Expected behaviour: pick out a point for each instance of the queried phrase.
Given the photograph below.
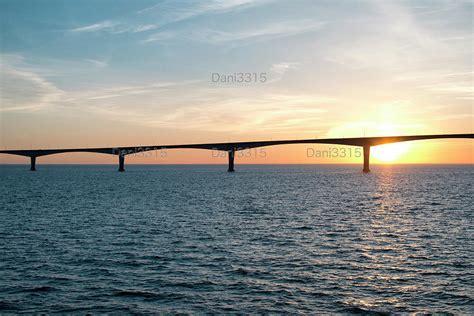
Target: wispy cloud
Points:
(273, 30)
(283, 67)
(100, 26)
(179, 10)
(279, 70)
(207, 110)
(144, 28)
(124, 91)
(256, 33)
(463, 90)
(166, 13)
(98, 63)
(156, 17)
(23, 90)
(397, 40)
(200, 105)
(161, 36)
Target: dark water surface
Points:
(290, 239)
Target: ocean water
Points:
(265, 239)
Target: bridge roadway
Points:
(232, 147)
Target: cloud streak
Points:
(100, 26)
(280, 69)
(208, 110)
(167, 12)
(256, 33)
(98, 63)
(23, 90)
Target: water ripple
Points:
(267, 239)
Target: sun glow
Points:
(389, 152)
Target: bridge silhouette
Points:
(231, 147)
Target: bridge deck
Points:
(232, 147)
(119, 150)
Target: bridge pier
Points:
(231, 154)
(33, 163)
(121, 163)
(366, 158)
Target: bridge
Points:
(231, 147)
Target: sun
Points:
(389, 152)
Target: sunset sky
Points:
(111, 73)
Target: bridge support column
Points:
(121, 163)
(231, 154)
(366, 158)
(33, 163)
